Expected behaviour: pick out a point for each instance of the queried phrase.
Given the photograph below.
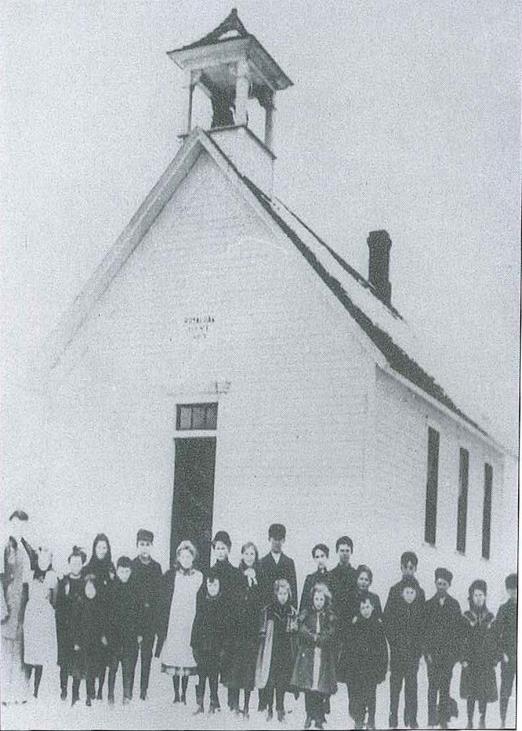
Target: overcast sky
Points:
(404, 116)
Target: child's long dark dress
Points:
(240, 669)
(208, 637)
(480, 650)
(104, 574)
(68, 600)
(276, 655)
(88, 622)
(365, 664)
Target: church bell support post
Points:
(242, 91)
(269, 122)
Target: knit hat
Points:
(124, 562)
(277, 531)
(223, 537)
(441, 573)
(145, 535)
(409, 581)
(479, 584)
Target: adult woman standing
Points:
(240, 666)
(176, 613)
(101, 568)
(40, 646)
(17, 563)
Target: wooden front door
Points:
(193, 498)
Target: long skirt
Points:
(15, 686)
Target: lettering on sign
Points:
(198, 326)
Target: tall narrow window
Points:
(486, 513)
(462, 509)
(430, 525)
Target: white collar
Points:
(276, 556)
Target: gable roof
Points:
(381, 324)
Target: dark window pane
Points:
(486, 513)
(184, 416)
(212, 416)
(198, 417)
(430, 524)
(462, 509)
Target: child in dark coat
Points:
(479, 654)
(366, 662)
(124, 637)
(89, 629)
(68, 609)
(275, 660)
(403, 625)
(314, 669)
(101, 568)
(441, 646)
(239, 670)
(506, 630)
(208, 638)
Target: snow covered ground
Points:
(158, 712)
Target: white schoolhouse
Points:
(225, 368)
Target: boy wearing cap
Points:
(124, 635)
(320, 554)
(276, 565)
(506, 630)
(409, 563)
(442, 646)
(146, 581)
(404, 625)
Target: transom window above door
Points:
(196, 416)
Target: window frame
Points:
(487, 502)
(207, 406)
(432, 486)
(462, 500)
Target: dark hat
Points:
(277, 531)
(479, 584)
(441, 573)
(321, 547)
(223, 537)
(511, 581)
(409, 581)
(124, 562)
(145, 535)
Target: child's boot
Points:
(269, 714)
(308, 722)
(281, 716)
(199, 709)
(482, 721)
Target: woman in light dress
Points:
(177, 610)
(40, 647)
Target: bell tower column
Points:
(242, 90)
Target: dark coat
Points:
(123, 618)
(146, 580)
(343, 584)
(395, 594)
(69, 596)
(271, 571)
(89, 625)
(240, 668)
(404, 627)
(318, 577)
(354, 603)
(506, 629)
(443, 627)
(316, 647)
(365, 655)
(277, 650)
(480, 651)
(209, 630)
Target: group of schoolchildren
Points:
(241, 627)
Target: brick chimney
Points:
(379, 243)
